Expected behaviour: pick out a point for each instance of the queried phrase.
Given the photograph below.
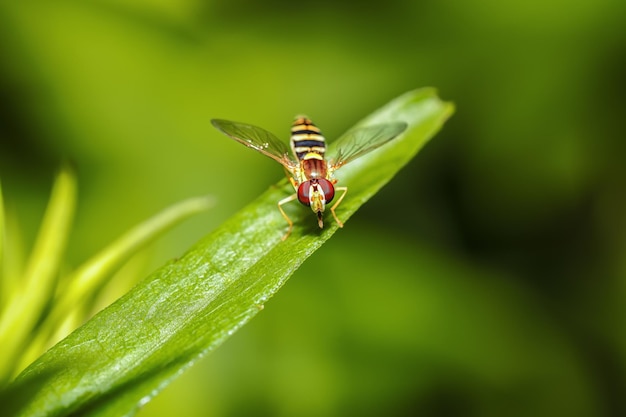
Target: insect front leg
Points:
(280, 207)
(332, 209)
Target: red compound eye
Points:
(328, 189)
(303, 193)
(315, 185)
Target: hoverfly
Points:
(306, 166)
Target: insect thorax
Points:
(313, 167)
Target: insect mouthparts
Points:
(320, 219)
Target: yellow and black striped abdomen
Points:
(307, 140)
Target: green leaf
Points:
(24, 307)
(131, 350)
(69, 308)
(4, 289)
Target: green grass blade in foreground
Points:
(128, 352)
(22, 312)
(69, 308)
(4, 287)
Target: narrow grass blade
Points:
(131, 350)
(24, 308)
(4, 287)
(70, 306)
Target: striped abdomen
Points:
(306, 139)
(308, 146)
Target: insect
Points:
(306, 166)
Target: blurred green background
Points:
(488, 279)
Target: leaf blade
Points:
(132, 349)
(68, 309)
(21, 313)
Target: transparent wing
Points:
(362, 140)
(258, 139)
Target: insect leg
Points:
(332, 209)
(280, 204)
